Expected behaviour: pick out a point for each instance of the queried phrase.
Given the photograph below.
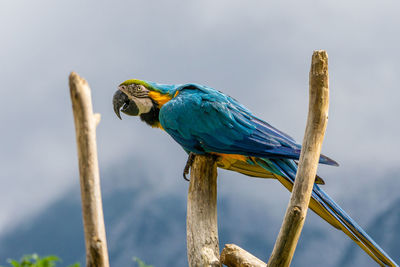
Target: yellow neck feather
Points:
(159, 98)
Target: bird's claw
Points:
(188, 165)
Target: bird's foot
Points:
(188, 165)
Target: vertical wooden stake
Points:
(92, 210)
(202, 227)
(296, 212)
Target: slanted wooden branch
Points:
(234, 256)
(296, 212)
(85, 127)
(201, 224)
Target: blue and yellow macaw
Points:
(204, 120)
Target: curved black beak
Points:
(121, 102)
(119, 99)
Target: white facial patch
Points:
(144, 104)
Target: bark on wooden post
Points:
(201, 224)
(234, 256)
(316, 124)
(92, 210)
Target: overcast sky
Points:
(256, 51)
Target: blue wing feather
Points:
(325, 207)
(202, 119)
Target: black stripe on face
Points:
(136, 90)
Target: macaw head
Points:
(141, 98)
(132, 98)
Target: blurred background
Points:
(258, 52)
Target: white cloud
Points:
(256, 51)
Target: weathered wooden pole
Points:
(296, 212)
(234, 256)
(92, 210)
(201, 222)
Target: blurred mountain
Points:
(385, 229)
(146, 219)
(141, 221)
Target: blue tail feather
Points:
(325, 207)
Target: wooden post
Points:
(234, 256)
(296, 212)
(202, 228)
(85, 127)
